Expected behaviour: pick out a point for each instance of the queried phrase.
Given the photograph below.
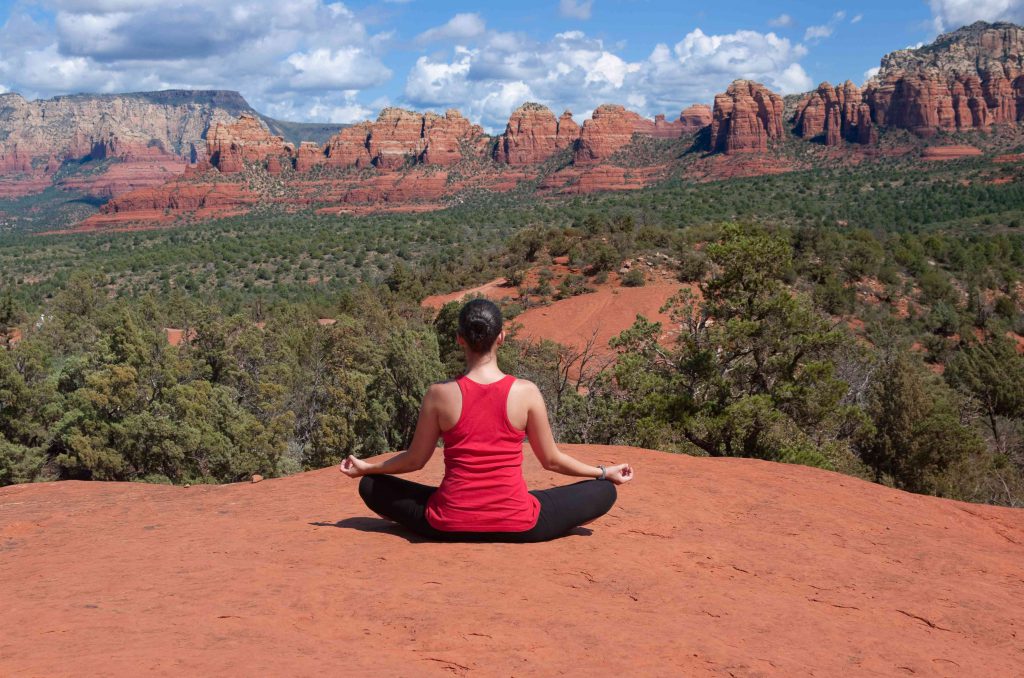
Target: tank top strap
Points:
(493, 397)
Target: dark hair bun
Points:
(480, 324)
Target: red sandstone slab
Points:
(705, 567)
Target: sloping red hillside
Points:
(718, 567)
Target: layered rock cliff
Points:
(835, 114)
(971, 78)
(745, 118)
(233, 144)
(533, 135)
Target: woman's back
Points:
(483, 488)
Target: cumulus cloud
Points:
(276, 53)
(781, 21)
(951, 14)
(459, 27)
(580, 72)
(576, 9)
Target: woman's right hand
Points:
(619, 474)
(353, 467)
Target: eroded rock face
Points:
(745, 118)
(445, 138)
(399, 138)
(233, 144)
(610, 128)
(971, 78)
(533, 135)
(695, 118)
(834, 115)
(396, 138)
(350, 147)
(122, 126)
(152, 131)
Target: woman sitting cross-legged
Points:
(483, 417)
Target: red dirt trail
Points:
(705, 567)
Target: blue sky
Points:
(342, 61)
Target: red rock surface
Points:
(584, 179)
(704, 567)
(123, 177)
(533, 135)
(968, 79)
(949, 152)
(396, 138)
(610, 128)
(695, 118)
(745, 118)
(835, 115)
(350, 147)
(245, 140)
(444, 138)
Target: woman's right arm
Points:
(542, 440)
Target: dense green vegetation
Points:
(860, 319)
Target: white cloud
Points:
(576, 71)
(822, 31)
(857, 19)
(576, 9)
(347, 68)
(872, 72)
(781, 21)
(459, 27)
(951, 14)
(275, 53)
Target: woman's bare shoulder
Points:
(525, 388)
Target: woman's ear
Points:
(501, 339)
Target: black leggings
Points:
(561, 508)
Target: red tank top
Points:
(483, 488)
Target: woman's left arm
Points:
(424, 441)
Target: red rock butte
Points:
(716, 567)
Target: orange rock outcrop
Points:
(695, 118)
(233, 144)
(971, 78)
(745, 118)
(533, 135)
(835, 115)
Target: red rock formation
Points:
(309, 155)
(695, 118)
(568, 131)
(531, 136)
(610, 128)
(745, 118)
(233, 144)
(350, 147)
(834, 114)
(396, 138)
(971, 78)
(445, 137)
(950, 152)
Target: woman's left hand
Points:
(354, 468)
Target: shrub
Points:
(634, 278)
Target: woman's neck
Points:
(483, 366)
